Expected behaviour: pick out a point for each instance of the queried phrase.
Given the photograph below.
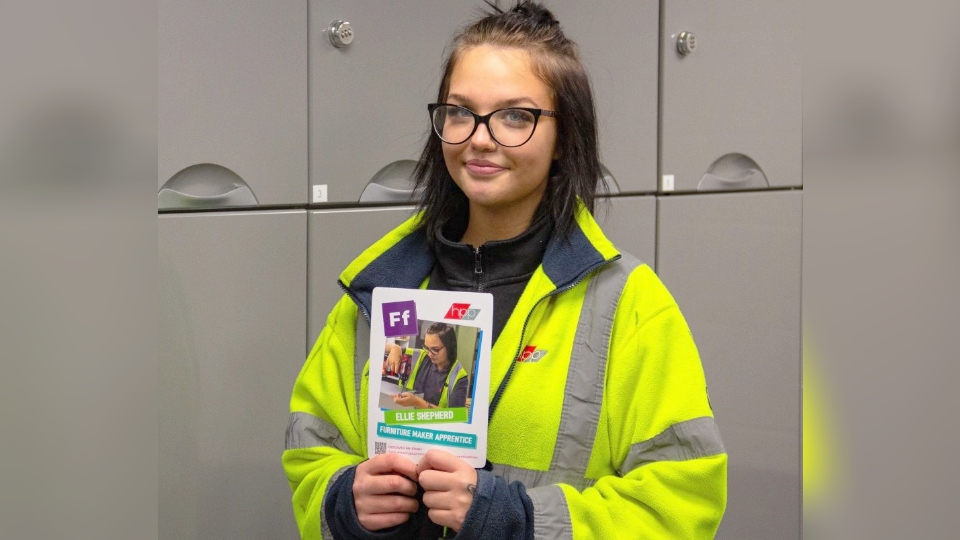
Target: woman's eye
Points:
(516, 116)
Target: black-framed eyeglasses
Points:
(435, 350)
(510, 127)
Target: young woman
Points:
(609, 434)
(437, 376)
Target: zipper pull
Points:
(478, 269)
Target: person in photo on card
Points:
(433, 373)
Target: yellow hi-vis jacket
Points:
(598, 398)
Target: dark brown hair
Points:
(448, 336)
(576, 173)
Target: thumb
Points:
(438, 460)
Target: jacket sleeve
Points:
(325, 437)
(499, 510)
(658, 460)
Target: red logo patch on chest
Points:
(530, 353)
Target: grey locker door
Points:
(337, 237)
(732, 261)
(631, 224)
(232, 111)
(232, 323)
(368, 100)
(618, 44)
(731, 108)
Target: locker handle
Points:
(613, 188)
(733, 172)
(392, 183)
(205, 185)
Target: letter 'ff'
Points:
(395, 317)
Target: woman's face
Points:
(436, 351)
(494, 177)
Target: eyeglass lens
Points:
(508, 127)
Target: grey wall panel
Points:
(618, 44)
(336, 237)
(732, 261)
(631, 224)
(738, 92)
(232, 88)
(369, 99)
(232, 324)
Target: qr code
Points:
(379, 448)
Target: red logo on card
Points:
(462, 312)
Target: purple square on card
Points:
(400, 318)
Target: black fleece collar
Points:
(500, 262)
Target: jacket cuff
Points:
(499, 510)
(340, 514)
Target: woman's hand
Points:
(449, 484)
(408, 399)
(392, 360)
(383, 491)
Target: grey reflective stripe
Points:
(690, 439)
(325, 531)
(588, 361)
(361, 353)
(551, 517)
(305, 430)
(454, 372)
(583, 395)
(533, 479)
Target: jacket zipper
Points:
(356, 301)
(513, 363)
(478, 269)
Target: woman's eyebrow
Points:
(512, 102)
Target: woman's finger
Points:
(386, 504)
(387, 484)
(441, 460)
(376, 522)
(388, 464)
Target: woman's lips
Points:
(482, 167)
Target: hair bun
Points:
(535, 12)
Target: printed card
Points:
(429, 373)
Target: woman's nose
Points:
(482, 139)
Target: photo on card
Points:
(431, 369)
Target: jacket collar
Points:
(501, 261)
(403, 259)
